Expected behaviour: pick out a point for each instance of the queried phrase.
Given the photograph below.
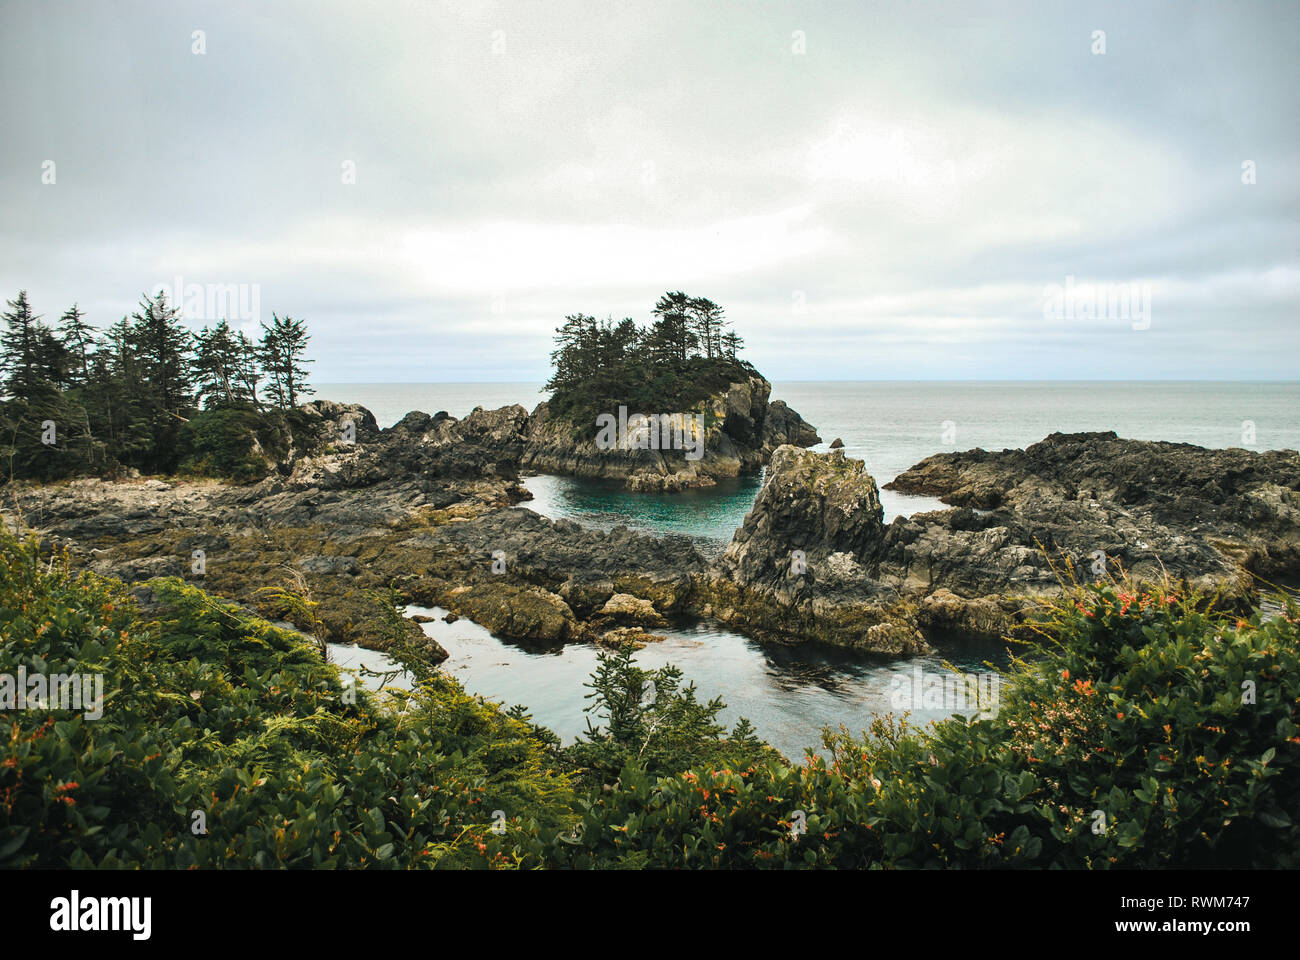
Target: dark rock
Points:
(1206, 519)
(801, 565)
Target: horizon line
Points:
(406, 383)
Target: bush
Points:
(1131, 737)
(1144, 730)
(240, 443)
(214, 718)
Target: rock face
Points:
(741, 429)
(1206, 518)
(801, 565)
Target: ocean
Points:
(789, 693)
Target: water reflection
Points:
(788, 693)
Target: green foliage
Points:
(670, 367)
(240, 443)
(211, 710)
(281, 353)
(652, 724)
(1173, 721)
(1124, 742)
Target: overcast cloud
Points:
(873, 191)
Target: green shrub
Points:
(653, 725)
(240, 443)
(1144, 730)
(1126, 739)
(210, 710)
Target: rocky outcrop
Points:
(428, 506)
(425, 506)
(511, 610)
(801, 565)
(741, 428)
(783, 426)
(1201, 512)
(814, 560)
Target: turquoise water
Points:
(790, 693)
(709, 516)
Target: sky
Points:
(871, 190)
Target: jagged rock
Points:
(837, 444)
(814, 560)
(1203, 513)
(799, 566)
(783, 426)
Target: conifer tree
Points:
(706, 318)
(19, 349)
(162, 348)
(78, 339)
(731, 343)
(284, 344)
(674, 327)
(216, 355)
(248, 372)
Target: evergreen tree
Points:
(574, 357)
(162, 348)
(706, 318)
(116, 395)
(54, 363)
(600, 366)
(72, 399)
(20, 359)
(283, 347)
(216, 358)
(78, 339)
(36, 422)
(247, 368)
(674, 327)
